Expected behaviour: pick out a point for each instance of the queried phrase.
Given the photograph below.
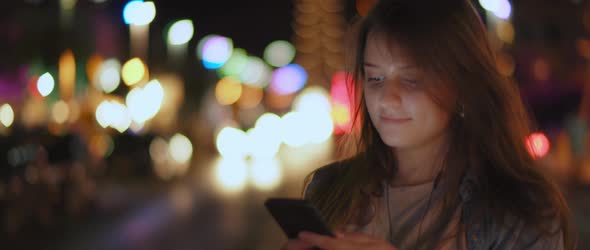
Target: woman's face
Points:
(401, 109)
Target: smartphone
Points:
(296, 215)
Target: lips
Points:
(396, 120)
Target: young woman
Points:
(441, 159)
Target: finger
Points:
(355, 236)
(321, 241)
(295, 244)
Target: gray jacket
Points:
(486, 233)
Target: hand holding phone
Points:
(296, 215)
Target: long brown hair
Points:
(449, 39)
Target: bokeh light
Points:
(255, 73)
(288, 79)
(501, 8)
(133, 71)
(537, 144)
(112, 113)
(92, 68)
(181, 149)
(235, 64)
(215, 51)
(296, 129)
(137, 12)
(228, 90)
(232, 142)
(251, 97)
(45, 84)
(231, 174)
(181, 32)
(159, 151)
(341, 103)
(279, 53)
(6, 115)
(505, 31)
(265, 173)
(67, 74)
(314, 104)
(60, 112)
(265, 138)
(109, 75)
(144, 103)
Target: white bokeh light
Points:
(181, 32)
(265, 174)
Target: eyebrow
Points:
(372, 65)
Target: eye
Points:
(375, 78)
(409, 82)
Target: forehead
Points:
(385, 48)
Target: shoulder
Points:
(514, 233)
(327, 175)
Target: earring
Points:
(461, 111)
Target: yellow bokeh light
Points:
(181, 149)
(92, 67)
(133, 71)
(505, 31)
(228, 90)
(340, 114)
(67, 74)
(6, 115)
(231, 174)
(60, 112)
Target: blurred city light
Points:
(232, 143)
(251, 97)
(6, 115)
(45, 84)
(133, 71)
(67, 4)
(341, 103)
(60, 112)
(313, 99)
(144, 103)
(296, 129)
(180, 32)
(67, 74)
(159, 151)
(235, 64)
(265, 173)
(137, 12)
(537, 144)
(256, 73)
(111, 113)
(231, 174)
(279, 53)
(500, 8)
(109, 75)
(92, 68)
(181, 149)
(228, 90)
(265, 137)
(214, 51)
(288, 79)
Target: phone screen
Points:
(296, 215)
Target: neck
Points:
(419, 165)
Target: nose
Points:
(391, 94)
